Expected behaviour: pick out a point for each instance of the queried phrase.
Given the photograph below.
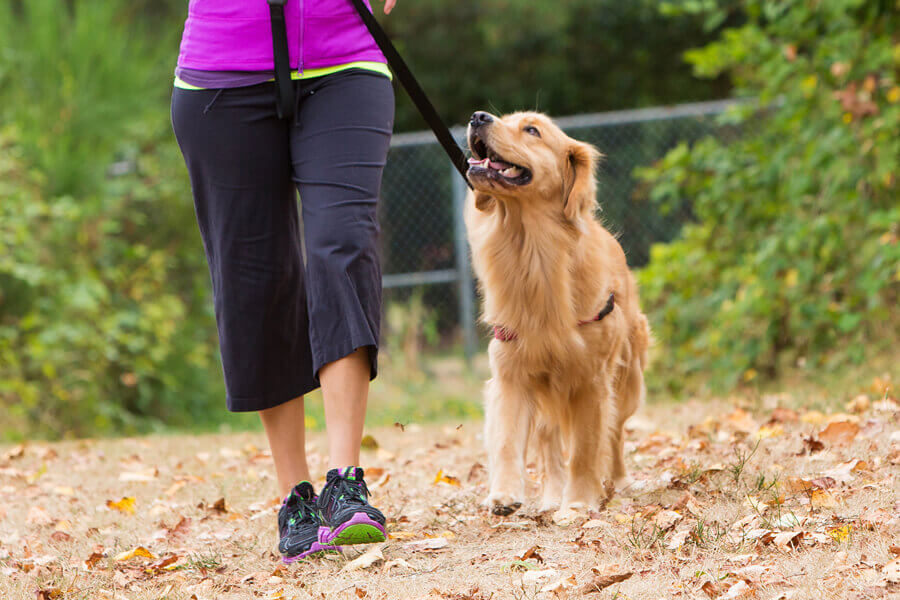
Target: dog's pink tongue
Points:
(498, 165)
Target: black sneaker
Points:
(299, 525)
(346, 511)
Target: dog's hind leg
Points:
(507, 421)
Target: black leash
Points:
(398, 66)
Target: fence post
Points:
(463, 268)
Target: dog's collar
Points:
(505, 335)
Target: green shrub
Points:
(105, 324)
(794, 255)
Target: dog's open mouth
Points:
(485, 163)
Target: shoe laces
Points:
(351, 490)
(300, 511)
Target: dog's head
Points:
(525, 157)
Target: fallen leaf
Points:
(449, 479)
(396, 563)
(532, 553)
(139, 476)
(565, 517)
(60, 536)
(92, 560)
(593, 524)
(125, 505)
(839, 432)
(370, 558)
(666, 519)
(602, 581)
(811, 445)
(49, 594)
(822, 499)
(840, 534)
(677, 540)
(427, 545)
(892, 571)
(738, 590)
(136, 552)
(859, 404)
(788, 539)
(714, 589)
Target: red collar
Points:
(505, 335)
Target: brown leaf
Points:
(604, 581)
(369, 442)
(184, 524)
(60, 536)
(218, 507)
(532, 553)
(839, 432)
(783, 415)
(714, 589)
(360, 593)
(92, 560)
(162, 564)
(49, 594)
(788, 539)
(811, 445)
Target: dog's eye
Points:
(532, 130)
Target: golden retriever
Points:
(570, 341)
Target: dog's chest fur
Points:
(528, 276)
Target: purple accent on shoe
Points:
(359, 518)
(316, 547)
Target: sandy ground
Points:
(725, 501)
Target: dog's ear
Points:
(483, 201)
(580, 187)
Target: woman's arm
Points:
(389, 6)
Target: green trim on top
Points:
(310, 73)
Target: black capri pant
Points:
(280, 318)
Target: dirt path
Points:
(724, 503)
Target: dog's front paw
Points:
(502, 504)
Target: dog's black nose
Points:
(480, 118)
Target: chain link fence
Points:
(424, 252)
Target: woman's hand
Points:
(389, 6)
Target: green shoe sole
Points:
(357, 533)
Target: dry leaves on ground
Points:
(722, 503)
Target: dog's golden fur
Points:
(544, 263)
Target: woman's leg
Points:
(237, 152)
(338, 148)
(284, 425)
(345, 389)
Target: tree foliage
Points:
(104, 320)
(795, 254)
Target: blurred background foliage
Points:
(105, 320)
(794, 257)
